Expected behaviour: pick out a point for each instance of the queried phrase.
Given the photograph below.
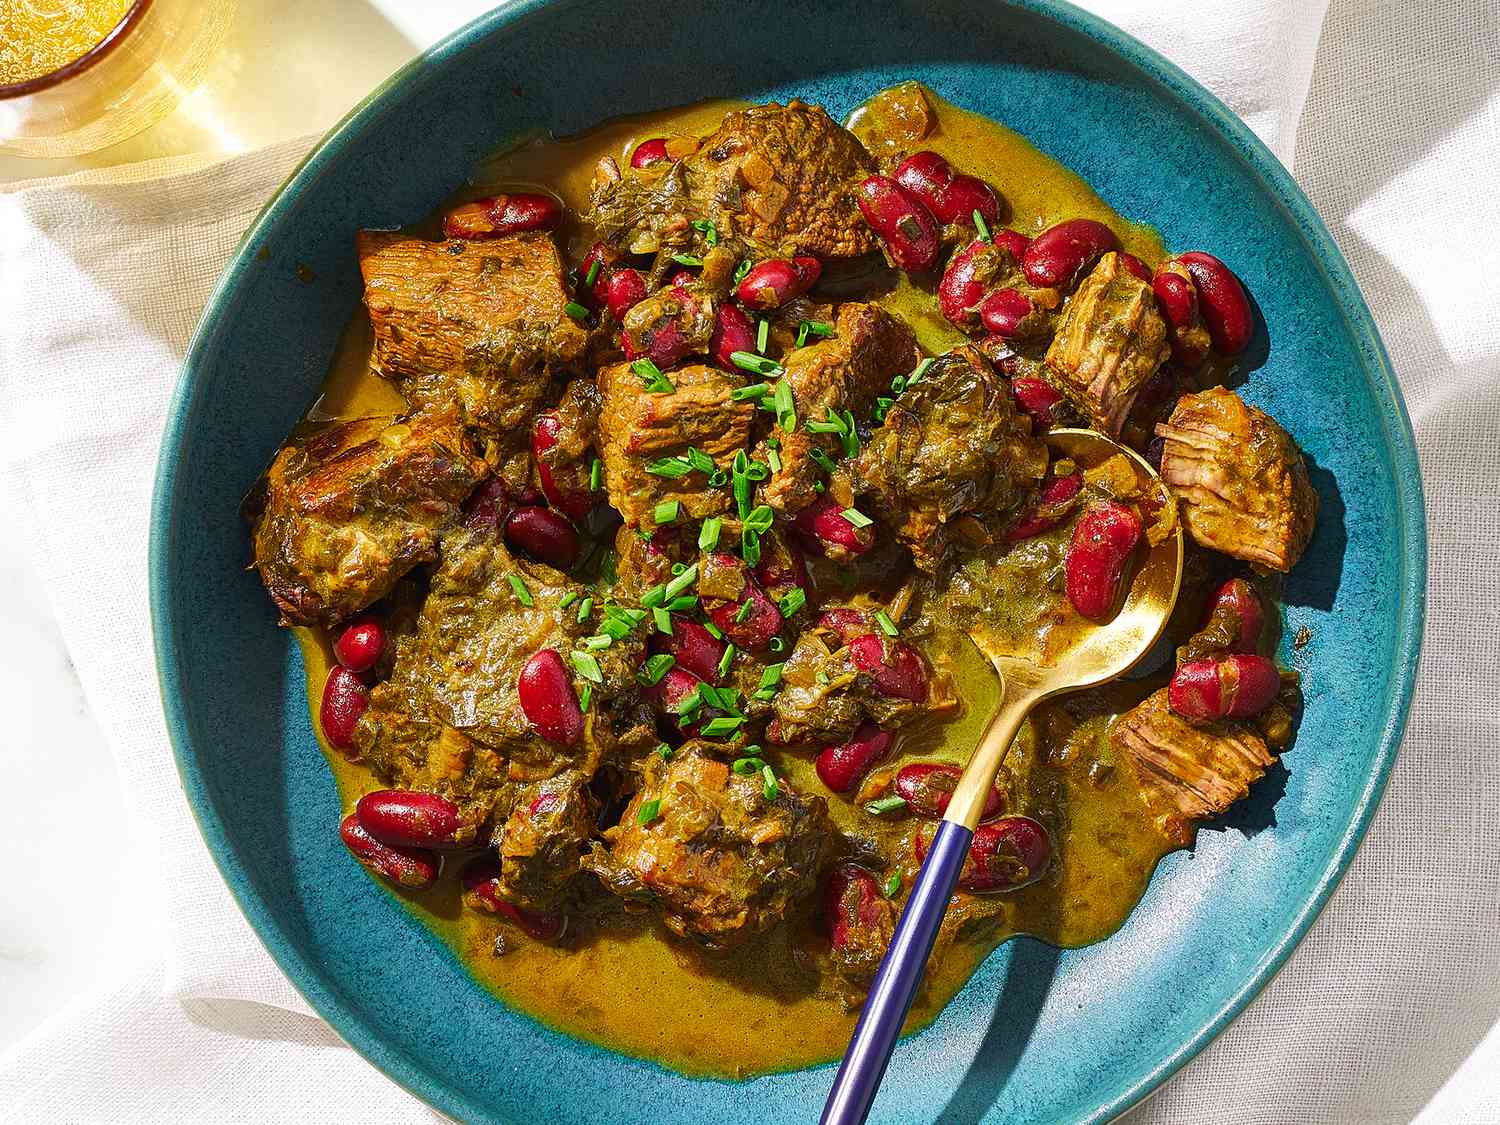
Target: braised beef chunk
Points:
(543, 841)
(861, 922)
(1240, 477)
(669, 325)
(840, 379)
(345, 513)
(718, 857)
(646, 435)
(1188, 771)
(1110, 340)
(473, 326)
(778, 178)
(953, 442)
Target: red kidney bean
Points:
(1007, 855)
(574, 502)
(1239, 686)
(344, 701)
(732, 333)
(774, 282)
(624, 289)
(960, 292)
(602, 255)
(1177, 297)
(1237, 600)
(361, 644)
(488, 505)
(824, 523)
(1003, 312)
(693, 647)
(1060, 254)
(499, 215)
(780, 568)
(900, 673)
(851, 901)
(649, 152)
(682, 278)
(663, 343)
(408, 818)
(907, 228)
(412, 868)
(926, 175)
(1132, 264)
(1053, 502)
(846, 621)
(544, 535)
(964, 196)
(1038, 398)
(1095, 562)
(548, 700)
(927, 787)
(762, 623)
(1013, 241)
(1222, 300)
(481, 883)
(667, 694)
(841, 768)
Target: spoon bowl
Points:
(1104, 652)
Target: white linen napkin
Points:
(1382, 1011)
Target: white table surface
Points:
(291, 67)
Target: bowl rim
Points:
(1275, 180)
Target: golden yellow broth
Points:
(630, 987)
(40, 36)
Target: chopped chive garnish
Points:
(726, 660)
(596, 475)
(699, 460)
(885, 805)
(724, 724)
(759, 364)
(981, 226)
(818, 328)
(567, 599)
(892, 884)
(882, 404)
(757, 470)
(898, 384)
(793, 600)
(593, 274)
(770, 677)
(786, 409)
(655, 668)
(760, 519)
(742, 269)
(742, 614)
(576, 311)
(709, 232)
(587, 666)
(762, 336)
(828, 427)
(598, 641)
(708, 534)
(664, 751)
(750, 546)
(648, 812)
(850, 435)
(683, 603)
(651, 375)
(748, 764)
(522, 591)
(714, 631)
(777, 644)
(682, 581)
(718, 478)
(687, 260)
(769, 789)
(822, 460)
(667, 511)
(690, 702)
(918, 371)
(773, 455)
(742, 488)
(801, 334)
(585, 697)
(753, 390)
(856, 517)
(887, 626)
(678, 568)
(585, 608)
(663, 620)
(822, 678)
(669, 467)
(655, 596)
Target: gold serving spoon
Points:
(1103, 653)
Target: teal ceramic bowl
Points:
(1036, 1035)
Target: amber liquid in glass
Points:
(38, 37)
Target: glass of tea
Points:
(79, 75)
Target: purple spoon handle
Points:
(896, 983)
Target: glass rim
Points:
(112, 39)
